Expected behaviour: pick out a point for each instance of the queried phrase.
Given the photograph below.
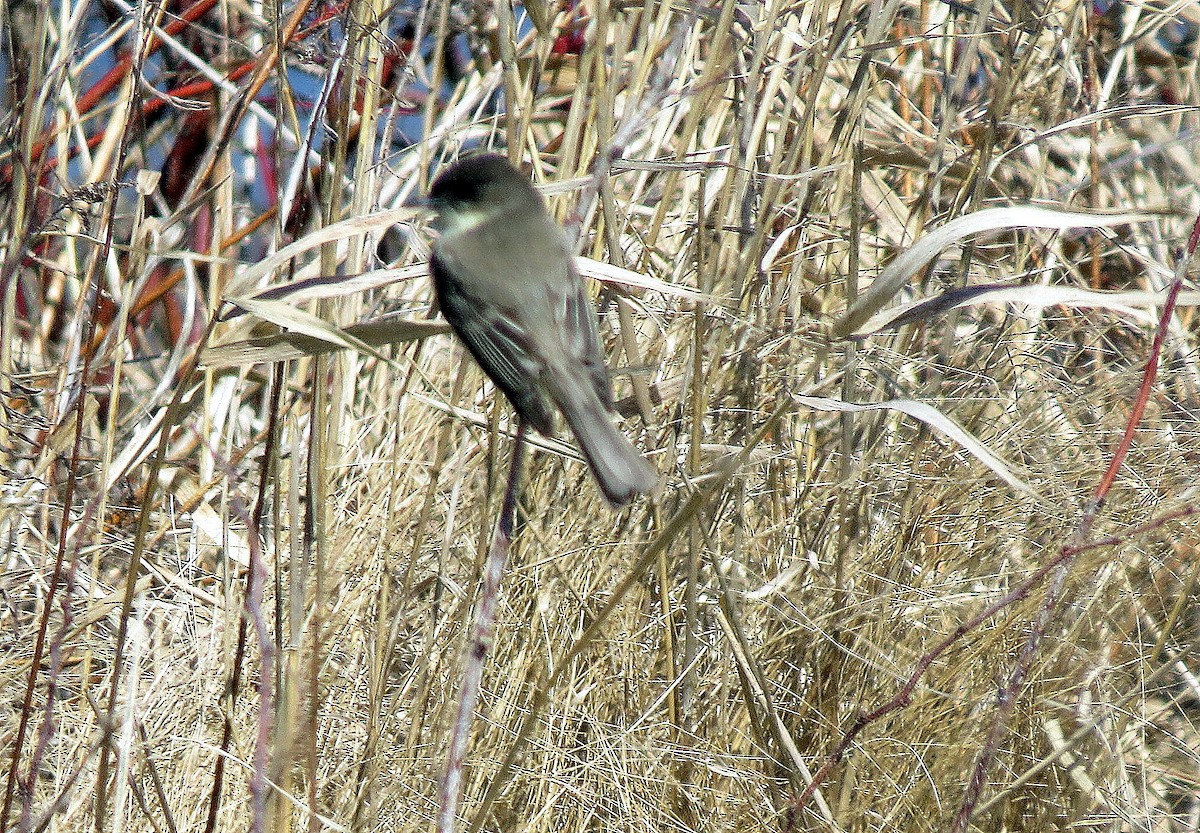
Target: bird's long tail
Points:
(619, 468)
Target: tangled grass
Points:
(240, 567)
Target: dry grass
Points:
(270, 599)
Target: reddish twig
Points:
(1079, 544)
(88, 302)
(1006, 697)
(111, 80)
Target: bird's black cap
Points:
(483, 180)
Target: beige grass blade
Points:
(936, 420)
(896, 275)
(1135, 304)
(607, 273)
(378, 332)
(307, 324)
(337, 232)
(332, 286)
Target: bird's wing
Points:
(499, 342)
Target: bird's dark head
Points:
(477, 188)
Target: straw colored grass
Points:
(237, 595)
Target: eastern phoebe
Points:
(505, 281)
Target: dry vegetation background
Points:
(237, 595)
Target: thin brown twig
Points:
(479, 642)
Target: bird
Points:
(506, 282)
